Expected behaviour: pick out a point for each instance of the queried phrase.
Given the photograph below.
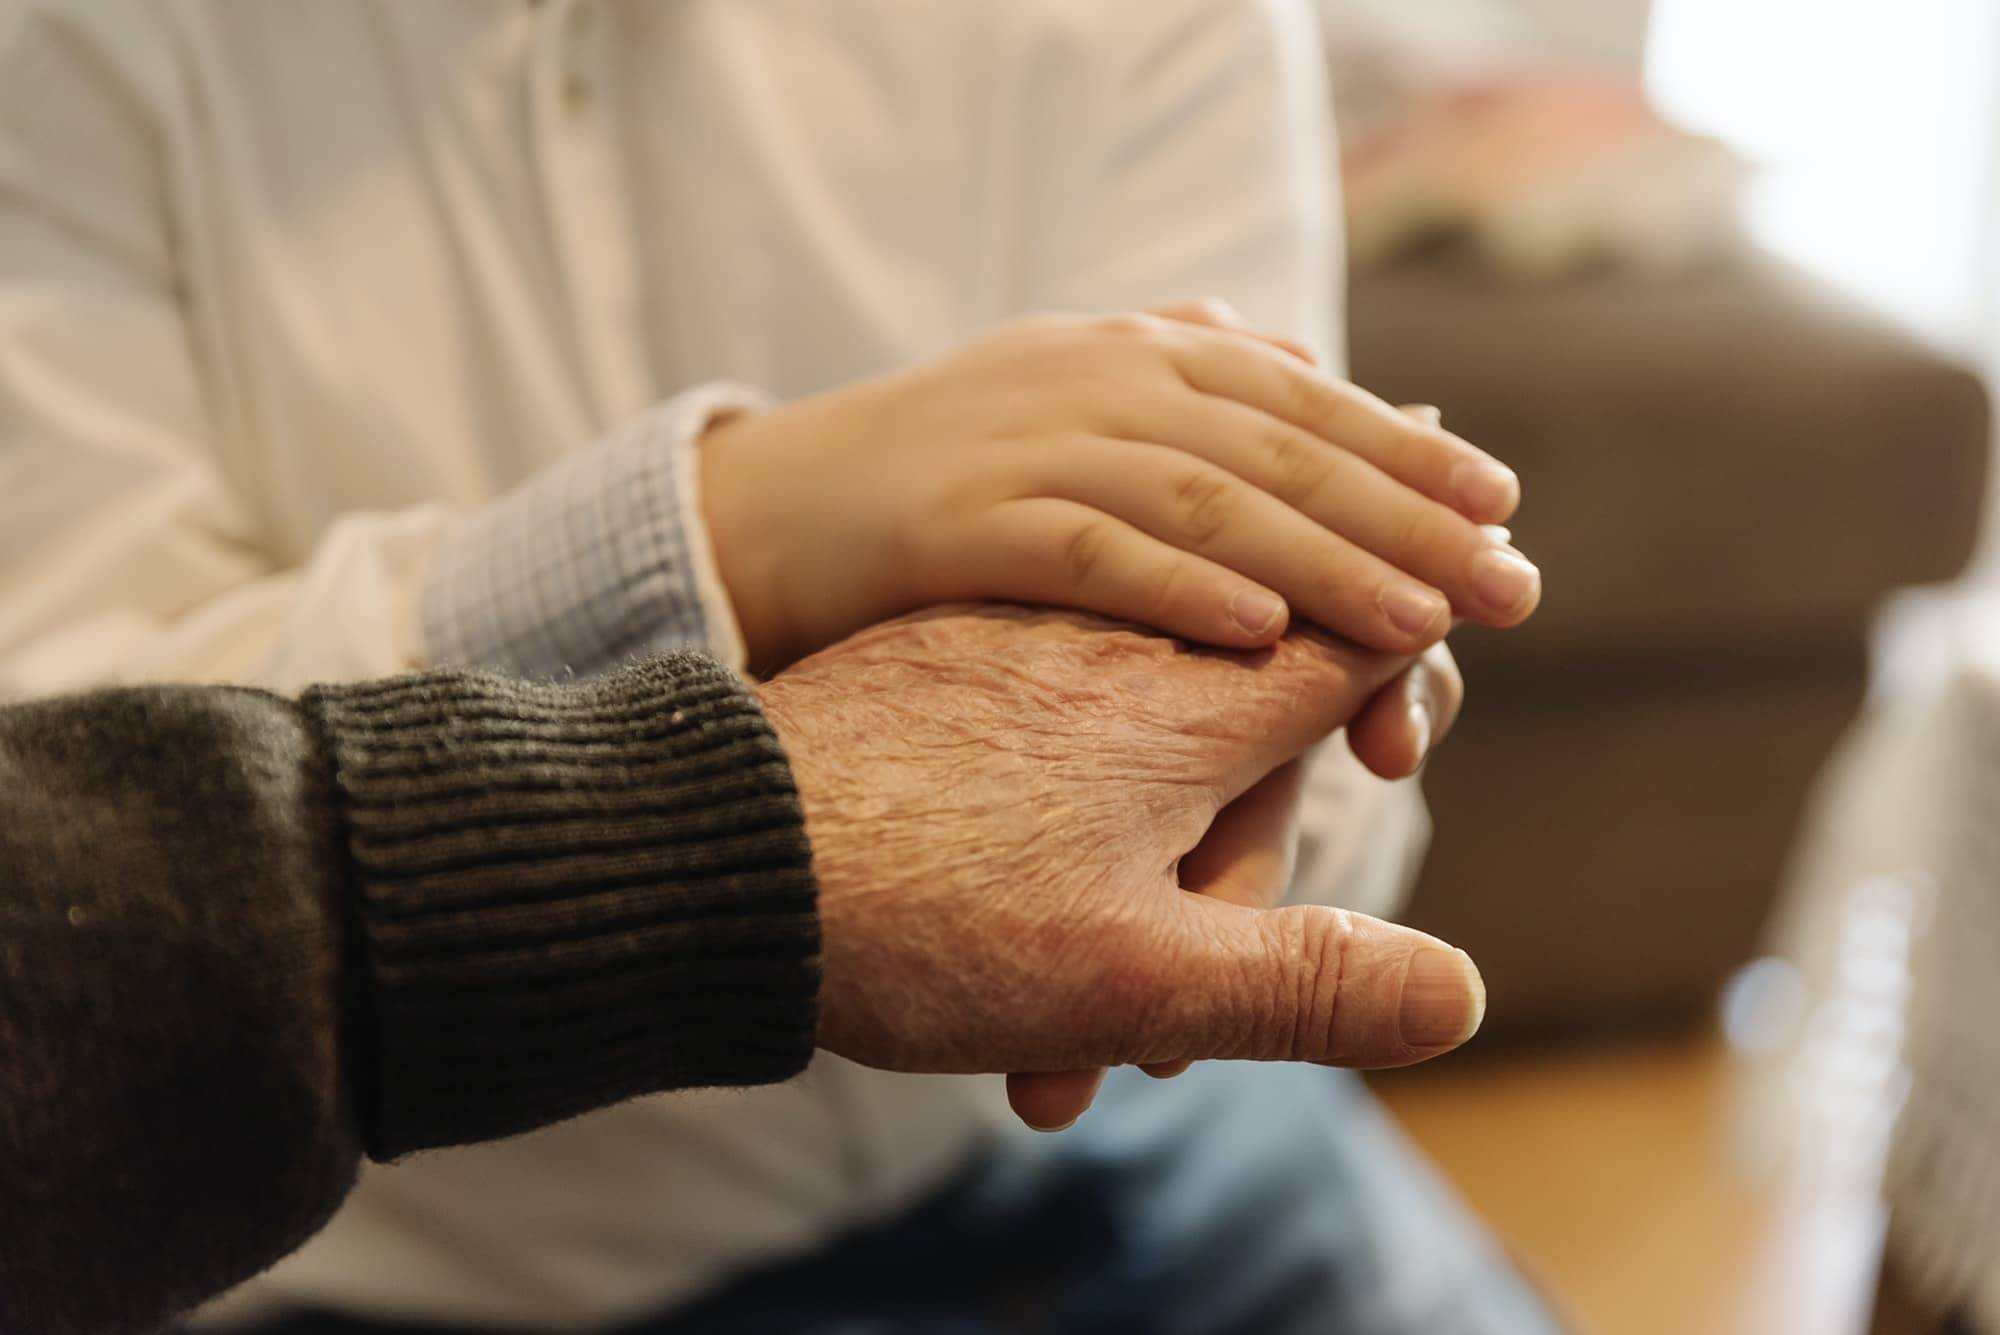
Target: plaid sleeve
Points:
(596, 560)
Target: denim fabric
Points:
(1239, 1197)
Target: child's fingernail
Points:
(1503, 578)
(1415, 611)
(1256, 610)
(1427, 413)
(1485, 488)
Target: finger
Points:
(1427, 413)
(1065, 554)
(1309, 686)
(1246, 855)
(1419, 454)
(1215, 313)
(1192, 504)
(1347, 495)
(1226, 719)
(1053, 1100)
(1407, 719)
(1307, 983)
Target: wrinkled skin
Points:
(1003, 807)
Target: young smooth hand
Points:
(1169, 469)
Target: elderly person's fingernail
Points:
(1504, 579)
(1444, 999)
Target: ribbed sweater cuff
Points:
(566, 895)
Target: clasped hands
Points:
(1048, 843)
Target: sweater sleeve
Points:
(244, 942)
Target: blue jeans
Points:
(1238, 1197)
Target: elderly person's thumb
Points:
(1308, 983)
(1302, 984)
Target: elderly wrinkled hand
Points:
(999, 802)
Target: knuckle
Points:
(1127, 326)
(1217, 311)
(1169, 592)
(1203, 505)
(1090, 391)
(1411, 531)
(1336, 578)
(1313, 955)
(1299, 468)
(1083, 551)
(1300, 395)
(1114, 360)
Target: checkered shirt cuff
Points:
(600, 558)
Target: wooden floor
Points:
(1616, 1179)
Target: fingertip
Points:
(1523, 611)
(1419, 615)
(1393, 735)
(1404, 996)
(1443, 1001)
(1390, 762)
(1052, 1101)
(1485, 491)
(1355, 990)
(1257, 616)
(1507, 585)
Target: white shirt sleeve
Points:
(128, 550)
(124, 553)
(1208, 170)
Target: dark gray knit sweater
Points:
(244, 941)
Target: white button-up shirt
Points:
(293, 294)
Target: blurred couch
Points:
(1724, 474)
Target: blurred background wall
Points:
(1612, 33)
(1720, 277)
